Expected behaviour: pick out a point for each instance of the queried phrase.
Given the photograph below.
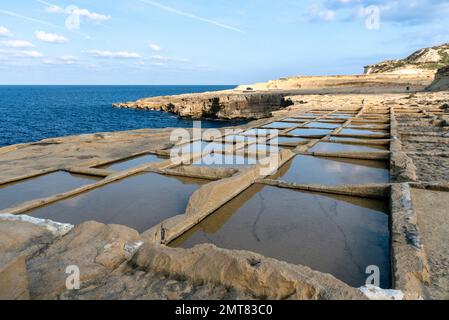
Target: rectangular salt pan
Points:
(332, 171)
(140, 202)
(132, 162)
(332, 234)
(41, 187)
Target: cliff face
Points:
(259, 100)
(422, 61)
(441, 81)
(220, 105)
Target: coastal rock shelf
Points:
(221, 105)
(169, 230)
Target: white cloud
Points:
(403, 12)
(327, 15)
(50, 37)
(96, 17)
(318, 12)
(155, 47)
(61, 60)
(4, 32)
(168, 59)
(54, 9)
(158, 64)
(17, 44)
(115, 54)
(28, 54)
(75, 11)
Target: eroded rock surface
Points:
(421, 61)
(218, 105)
(111, 268)
(96, 249)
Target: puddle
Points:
(304, 169)
(281, 125)
(234, 138)
(41, 187)
(225, 160)
(337, 138)
(264, 148)
(341, 116)
(191, 147)
(345, 147)
(140, 202)
(309, 132)
(324, 125)
(261, 132)
(197, 147)
(332, 234)
(365, 124)
(132, 162)
(290, 140)
(363, 132)
(297, 120)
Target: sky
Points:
(207, 42)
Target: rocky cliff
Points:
(441, 81)
(422, 61)
(259, 100)
(218, 105)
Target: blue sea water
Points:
(33, 113)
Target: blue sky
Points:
(206, 42)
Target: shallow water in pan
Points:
(281, 125)
(231, 160)
(324, 125)
(309, 132)
(346, 147)
(304, 169)
(132, 162)
(140, 202)
(363, 132)
(41, 187)
(333, 234)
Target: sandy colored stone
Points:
(408, 258)
(22, 239)
(422, 61)
(157, 272)
(441, 81)
(96, 249)
(14, 280)
(261, 277)
(219, 105)
(433, 217)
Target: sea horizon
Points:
(35, 112)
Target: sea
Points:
(33, 113)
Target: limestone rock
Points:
(13, 280)
(441, 81)
(96, 249)
(244, 271)
(421, 61)
(375, 293)
(22, 239)
(217, 105)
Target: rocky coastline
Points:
(407, 125)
